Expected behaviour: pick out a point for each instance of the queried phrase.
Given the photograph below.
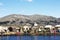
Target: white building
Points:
(35, 24)
(39, 29)
(49, 26)
(57, 26)
(2, 28)
(27, 27)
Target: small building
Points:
(10, 29)
(57, 27)
(40, 28)
(35, 24)
(14, 28)
(3, 29)
(49, 28)
(27, 27)
(34, 29)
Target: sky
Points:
(30, 7)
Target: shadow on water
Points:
(29, 37)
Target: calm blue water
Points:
(29, 37)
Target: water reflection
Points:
(29, 37)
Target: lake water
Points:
(29, 37)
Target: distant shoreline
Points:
(58, 34)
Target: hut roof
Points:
(49, 26)
(57, 26)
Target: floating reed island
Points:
(27, 29)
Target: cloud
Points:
(29, 0)
(1, 4)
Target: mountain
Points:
(18, 19)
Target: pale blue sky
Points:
(29, 7)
